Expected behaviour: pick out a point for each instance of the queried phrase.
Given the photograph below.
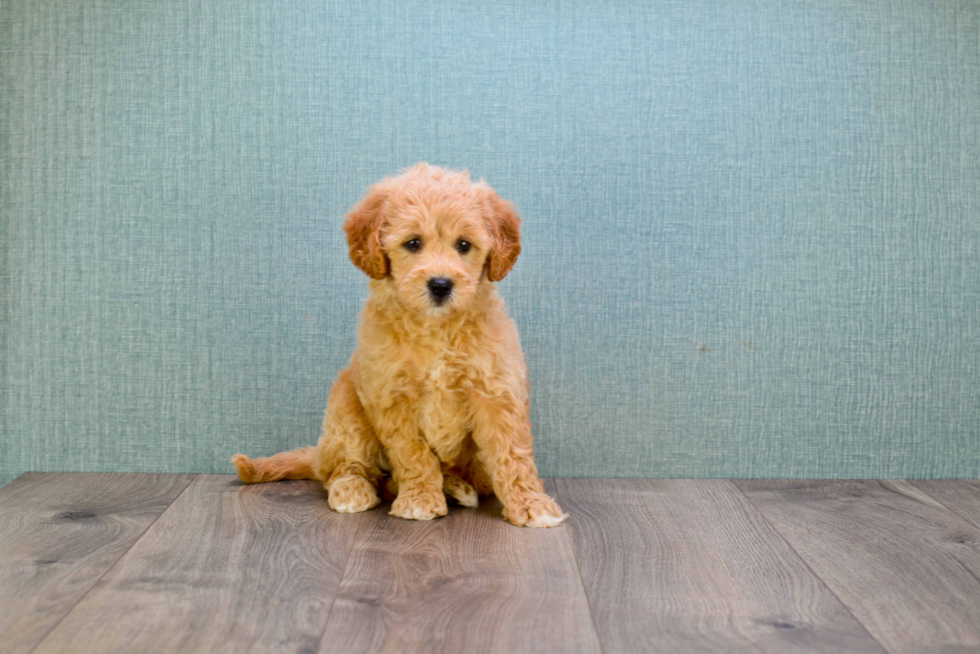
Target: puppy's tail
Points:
(296, 464)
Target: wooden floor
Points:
(201, 563)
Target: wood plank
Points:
(467, 582)
(228, 568)
(905, 565)
(59, 533)
(961, 496)
(689, 566)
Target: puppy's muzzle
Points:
(440, 288)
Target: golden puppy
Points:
(436, 395)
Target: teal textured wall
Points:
(752, 228)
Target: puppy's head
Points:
(435, 236)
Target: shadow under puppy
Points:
(435, 401)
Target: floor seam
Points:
(807, 564)
(40, 642)
(959, 515)
(578, 568)
(343, 575)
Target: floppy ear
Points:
(505, 226)
(363, 227)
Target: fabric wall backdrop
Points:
(752, 228)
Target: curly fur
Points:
(435, 401)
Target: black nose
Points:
(440, 287)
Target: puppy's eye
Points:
(414, 245)
(463, 246)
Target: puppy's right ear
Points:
(363, 227)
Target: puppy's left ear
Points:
(363, 227)
(505, 225)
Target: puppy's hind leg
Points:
(350, 456)
(457, 488)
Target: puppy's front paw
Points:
(352, 494)
(461, 491)
(419, 506)
(533, 510)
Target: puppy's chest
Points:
(439, 378)
(436, 387)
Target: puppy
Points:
(435, 400)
